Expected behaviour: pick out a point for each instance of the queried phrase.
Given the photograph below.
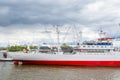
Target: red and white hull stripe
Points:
(84, 59)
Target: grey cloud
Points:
(26, 13)
(41, 11)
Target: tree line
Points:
(18, 48)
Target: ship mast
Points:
(58, 38)
(79, 38)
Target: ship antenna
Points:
(101, 33)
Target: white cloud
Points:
(102, 10)
(89, 34)
(15, 34)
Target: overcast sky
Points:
(22, 20)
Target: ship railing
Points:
(96, 46)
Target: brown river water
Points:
(9, 71)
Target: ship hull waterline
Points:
(78, 63)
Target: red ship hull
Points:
(80, 63)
